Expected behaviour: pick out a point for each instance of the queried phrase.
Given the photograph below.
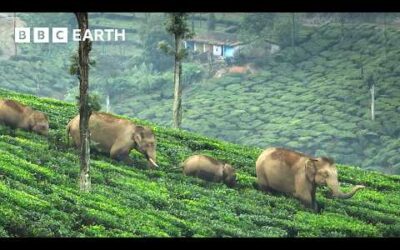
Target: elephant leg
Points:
(76, 140)
(119, 153)
(127, 160)
(306, 200)
(305, 192)
(263, 183)
(265, 188)
(313, 200)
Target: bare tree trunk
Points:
(84, 49)
(210, 63)
(385, 33)
(200, 16)
(361, 69)
(293, 31)
(108, 103)
(192, 19)
(177, 108)
(293, 38)
(341, 26)
(37, 85)
(372, 90)
(15, 24)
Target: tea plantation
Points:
(314, 99)
(39, 194)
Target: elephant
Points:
(116, 136)
(17, 115)
(298, 175)
(209, 169)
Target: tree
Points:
(370, 81)
(151, 54)
(192, 20)
(293, 31)
(342, 20)
(385, 33)
(177, 26)
(147, 16)
(151, 33)
(257, 26)
(211, 22)
(15, 24)
(83, 74)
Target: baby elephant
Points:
(209, 169)
(298, 175)
(16, 115)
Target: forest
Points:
(325, 84)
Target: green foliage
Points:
(74, 67)
(176, 25)
(311, 98)
(211, 22)
(154, 53)
(256, 25)
(192, 73)
(283, 32)
(39, 195)
(93, 102)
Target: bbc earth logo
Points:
(60, 35)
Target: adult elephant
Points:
(16, 115)
(116, 136)
(298, 175)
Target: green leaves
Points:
(38, 194)
(166, 48)
(176, 24)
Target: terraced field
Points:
(39, 195)
(317, 101)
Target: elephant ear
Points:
(30, 122)
(310, 169)
(136, 136)
(225, 169)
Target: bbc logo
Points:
(60, 35)
(41, 35)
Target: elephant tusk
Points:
(152, 162)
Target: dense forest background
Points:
(312, 95)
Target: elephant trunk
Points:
(334, 186)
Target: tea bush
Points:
(39, 194)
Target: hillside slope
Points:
(39, 195)
(316, 101)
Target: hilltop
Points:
(39, 194)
